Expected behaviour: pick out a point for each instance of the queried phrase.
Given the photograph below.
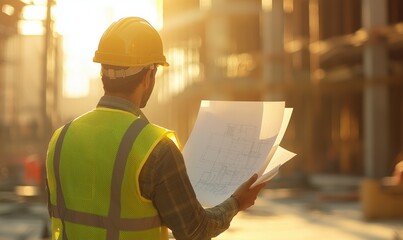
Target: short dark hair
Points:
(122, 85)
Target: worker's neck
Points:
(129, 97)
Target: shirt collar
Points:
(121, 104)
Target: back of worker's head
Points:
(128, 49)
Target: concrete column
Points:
(217, 41)
(376, 106)
(314, 37)
(3, 131)
(272, 33)
(2, 83)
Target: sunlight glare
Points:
(81, 23)
(8, 9)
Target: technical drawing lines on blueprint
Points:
(232, 157)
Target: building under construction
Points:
(338, 64)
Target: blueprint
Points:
(229, 143)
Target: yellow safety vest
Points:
(93, 166)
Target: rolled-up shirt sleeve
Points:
(164, 180)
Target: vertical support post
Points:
(217, 40)
(2, 82)
(376, 107)
(272, 32)
(314, 36)
(48, 74)
(2, 96)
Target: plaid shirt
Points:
(164, 180)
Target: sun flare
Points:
(81, 23)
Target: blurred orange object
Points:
(32, 170)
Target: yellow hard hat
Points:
(130, 42)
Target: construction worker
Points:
(113, 175)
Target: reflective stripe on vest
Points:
(113, 223)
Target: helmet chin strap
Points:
(122, 73)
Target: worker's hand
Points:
(245, 195)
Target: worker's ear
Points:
(147, 78)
